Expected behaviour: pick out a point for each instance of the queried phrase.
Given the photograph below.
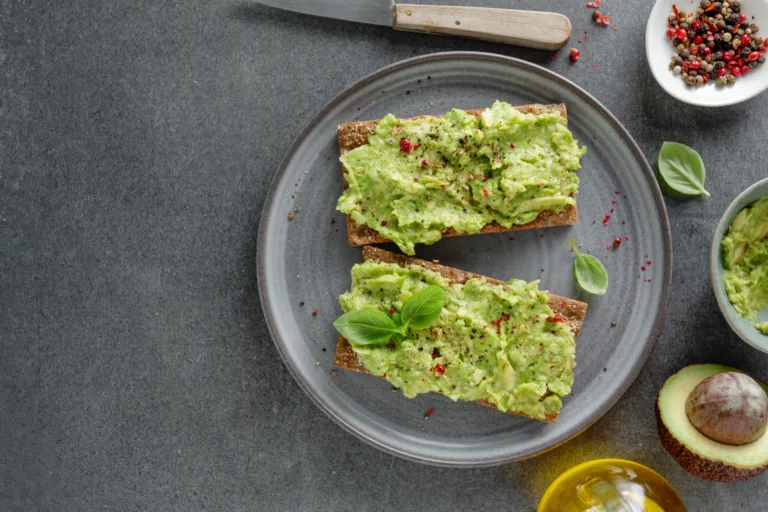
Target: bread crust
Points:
(572, 311)
(355, 134)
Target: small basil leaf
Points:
(423, 308)
(366, 326)
(681, 169)
(590, 273)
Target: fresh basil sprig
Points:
(589, 272)
(370, 326)
(681, 169)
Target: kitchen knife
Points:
(543, 30)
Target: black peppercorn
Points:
(717, 56)
(684, 54)
(729, 28)
(712, 75)
(733, 19)
(719, 64)
(717, 37)
(735, 7)
(744, 25)
(745, 52)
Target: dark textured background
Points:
(137, 143)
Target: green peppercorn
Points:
(721, 81)
(727, 37)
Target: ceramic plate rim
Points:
(630, 376)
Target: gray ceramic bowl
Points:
(738, 323)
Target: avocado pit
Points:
(729, 408)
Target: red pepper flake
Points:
(551, 367)
(555, 319)
(575, 54)
(405, 145)
(485, 193)
(512, 146)
(511, 238)
(616, 28)
(553, 56)
(469, 148)
(677, 13)
(314, 313)
(617, 242)
(606, 219)
(417, 146)
(626, 238)
(542, 270)
(429, 413)
(439, 369)
(648, 262)
(617, 192)
(435, 334)
(383, 92)
(642, 268)
(541, 235)
(611, 210)
(442, 186)
(390, 311)
(613, 202)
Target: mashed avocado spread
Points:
(500, 343)
(745, 257)
(416, 178)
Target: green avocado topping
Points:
(745, 257)
(500, 343)
(415, 178)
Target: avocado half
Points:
(696, 453)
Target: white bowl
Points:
(659, 50)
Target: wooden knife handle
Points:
(543, 30)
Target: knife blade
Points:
(543, 30)
(376, 12)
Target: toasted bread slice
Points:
(572, 311)
(355, 134)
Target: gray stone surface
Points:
(137, 143)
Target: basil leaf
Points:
(589, 272)
(366, 326)
(681, 169)
(423, 308)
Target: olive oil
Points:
(610, 485)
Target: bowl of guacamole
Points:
(739, 265)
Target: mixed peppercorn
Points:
(717, 42)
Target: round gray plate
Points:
(307, 260)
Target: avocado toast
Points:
(539, 380)
(479, 171)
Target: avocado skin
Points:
(706, 469)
